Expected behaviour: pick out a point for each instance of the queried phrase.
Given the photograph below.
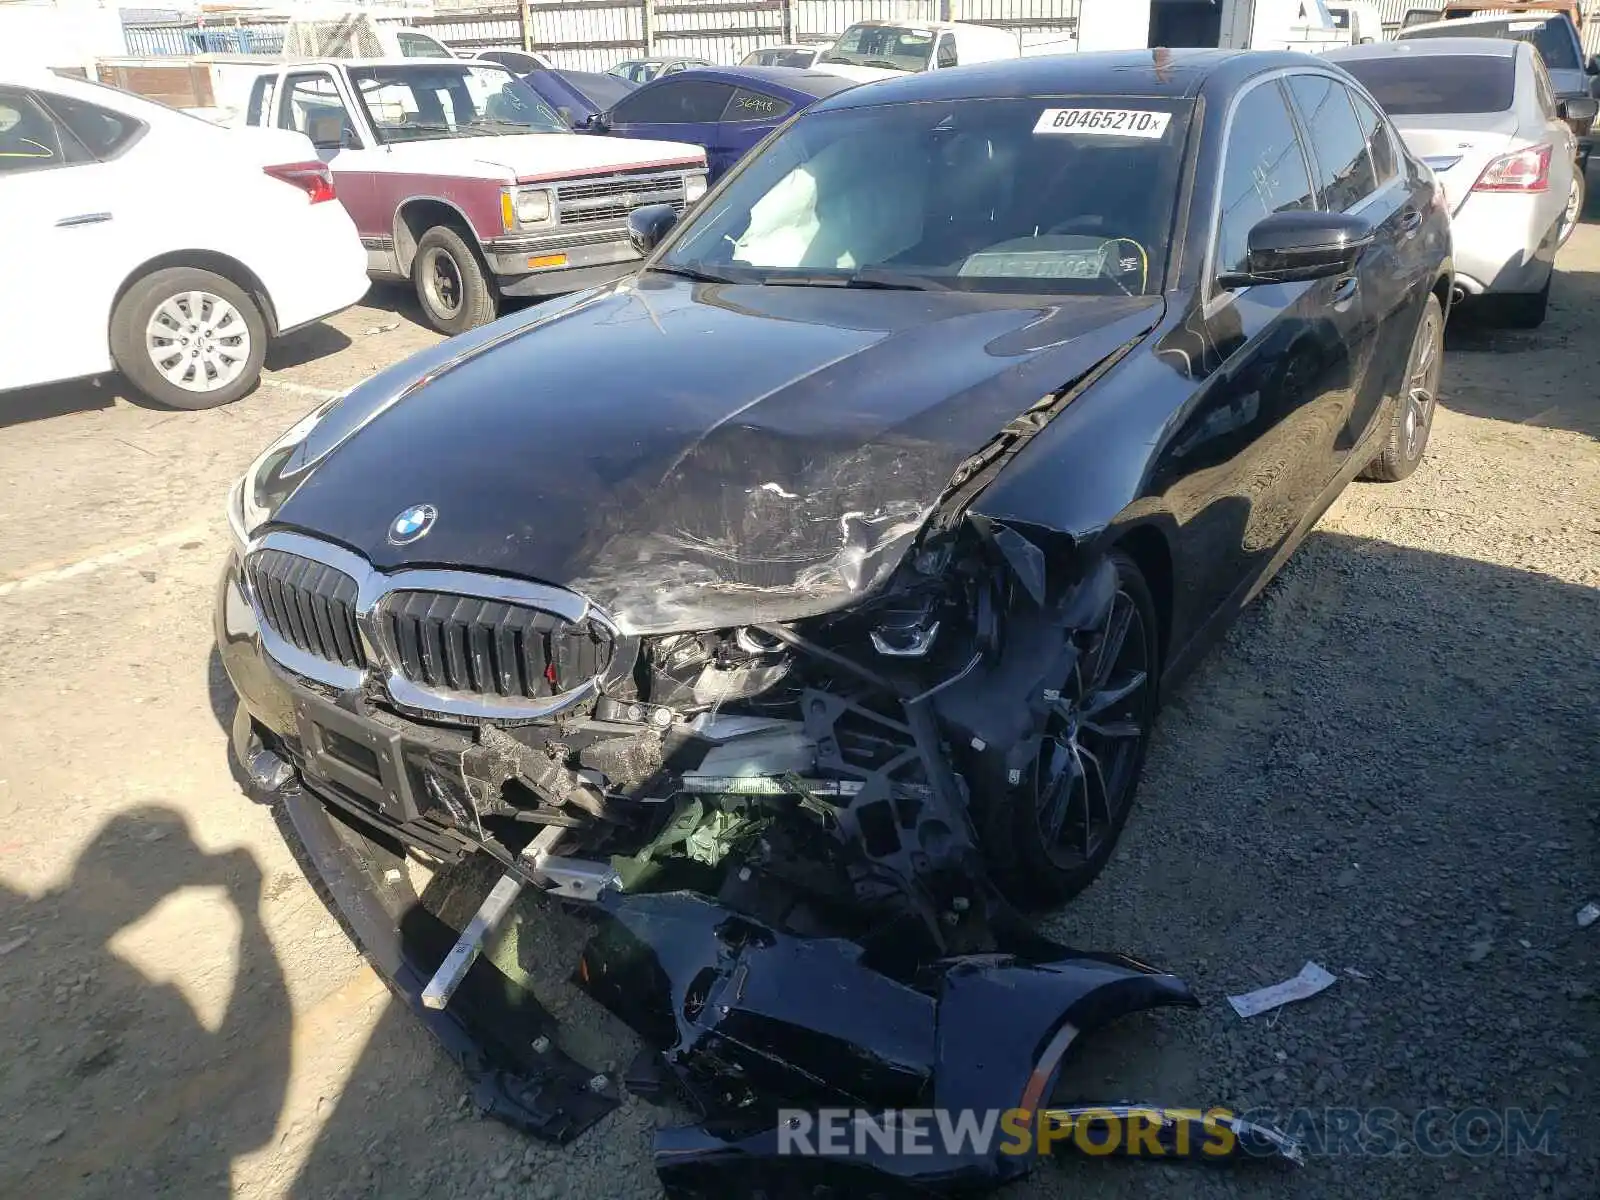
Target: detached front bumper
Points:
(566, 261)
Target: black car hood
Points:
(690, 455)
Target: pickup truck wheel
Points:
(451, 283)
(187, 338)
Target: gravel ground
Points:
(1389, 768)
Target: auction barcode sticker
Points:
(1106, 122)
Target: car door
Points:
(749, 117)
(1396, 273)
(1357, 377)
(1247, 460)
(672, 110)
(312, 103)
(74, 223)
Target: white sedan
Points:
(1483, 115)
(145, 240)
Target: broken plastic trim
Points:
(498, 1032)
(751, 1021)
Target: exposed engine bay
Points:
(824, 775)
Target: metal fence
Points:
(593, 34)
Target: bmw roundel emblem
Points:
(412, 524)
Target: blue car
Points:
(578, 96)
(725, 109)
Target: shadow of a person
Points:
(139, 1080)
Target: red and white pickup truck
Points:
(462, 180)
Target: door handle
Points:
(1345, 289)
(82, 219)
(1410, 221)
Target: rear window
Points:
(1550, 36)
(1429, 86)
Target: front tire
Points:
(188, 338)
(1412, 422)
(452, 285)
(1050, 834)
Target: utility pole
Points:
(527, 26)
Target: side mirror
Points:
(1579, 110)
(1593, 65)
(596, 123)
(1295, 247)
(649, 224)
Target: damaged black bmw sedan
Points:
(834, 563)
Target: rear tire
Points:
(452, 284)
(1523, 311)
(1040, 869)
(188, 338)
(1575, 204)
(1412, 422)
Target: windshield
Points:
(1036, 196)
(1433, 86)
(1551, 37)
(427, 102)
(888, 46)
(779, 58)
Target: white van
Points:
(932, 45)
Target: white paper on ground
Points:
(1311, 980)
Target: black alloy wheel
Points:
(1059, 822)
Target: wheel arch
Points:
(1444, 287)
(1151, 552)
(229, 268)
(420, 214)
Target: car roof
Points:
(801, 81)
(1179, 74)
(1480, 47)
(1489, 18)
(391, 60)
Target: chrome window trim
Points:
(375, 587)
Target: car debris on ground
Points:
(1312, 979)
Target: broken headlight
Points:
(258, 493)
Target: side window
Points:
(755, 106)
(1380, 143)
(1264, 173)
(262, 93)
(311, 104)
(947, 51)
(100, 131)
(1344, 168)
(30, 140)
(417, 45)
(680, 102)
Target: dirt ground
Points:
(1389, 768)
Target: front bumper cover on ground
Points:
(502, 1037)
(748, 1022)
